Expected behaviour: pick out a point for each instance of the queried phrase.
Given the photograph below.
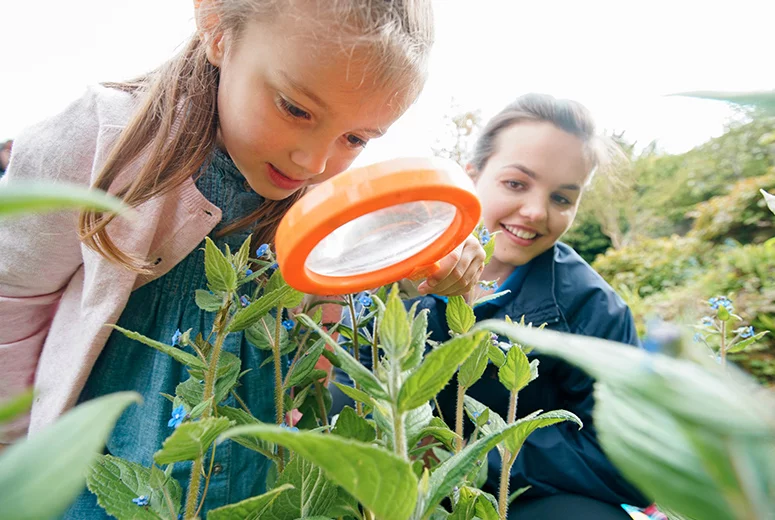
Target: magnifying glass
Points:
(375, 225)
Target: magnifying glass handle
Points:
(424, 271)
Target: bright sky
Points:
(618, 57)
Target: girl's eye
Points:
(559, 199)
(292, 110)
(514, 185)
(355, 141)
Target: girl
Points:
(531, 165)
(266, 99)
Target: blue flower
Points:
(178, 414)
(697, 337)
(494, 339)
(289, 428)
(142, 500)
(176, 337)
(365, 300)
(248, 271)
(484, 237)
(288, 324)
(244, 300)
(707, 321)
(747, 332)
(716, 302)
(262, 249)
(476, 415)
(274, 266)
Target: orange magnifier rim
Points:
(360, 191)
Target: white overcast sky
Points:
(619, 57)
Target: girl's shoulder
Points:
(65, 146)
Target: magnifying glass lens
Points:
(380, 239)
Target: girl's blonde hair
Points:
(176, 122)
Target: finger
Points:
(466, 270)
(465, 283)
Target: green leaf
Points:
(227, 374)
(242, 256)
(360, 374)
(351, 426)
(460, 317)
(16, 406)
(473, 368)
(418, 336)
(489, 297)
(489, 249)
(207, 301)
(173, 352)
(191, 440)
(306, 363)
(261, 334)
(496, 355)
(454, 470)
(439, 430)
(240, 418)
(465, 509)
(527, 425)
(117, 481)
(496, 421)
(516, 373)
(436, 370)
(220, 274)
(742, 345)
(292, 298)
(53, 463)
(251, 508)
(346, 462)
(415, 421)
(355, 394)
(39, 197)
(394, 326)
(250, 315)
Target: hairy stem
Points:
(506, 462)
(356, 347)
(278, 381)
(461, 392)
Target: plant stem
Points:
(461, 392)
(321, 404)
(278, 380)
(506, 462)
(208, 392)
(724, 344)
(399, 440)
(207, 482)
(356, 347)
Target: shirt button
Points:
(217, 468)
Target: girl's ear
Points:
(472, 172)
(210, 32)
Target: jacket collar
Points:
(537, 300)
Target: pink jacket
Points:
(56, 295)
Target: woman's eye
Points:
(355, 141)
(514, 185)
(559, 199)
(293, 110)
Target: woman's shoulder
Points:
(589, 303)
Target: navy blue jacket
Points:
(563, 291)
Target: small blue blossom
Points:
(365, 300)
(262, 249)
(697, 337)
(476, 415)
(289, 428)
(274, 266)
(288, 325)
(176, 337)
(494, 339)
(747, 332)
(178, 414)
(484, 237)
(248, 271)
(716, 302)
(142, 500)
(244, 300)
(707, 321)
